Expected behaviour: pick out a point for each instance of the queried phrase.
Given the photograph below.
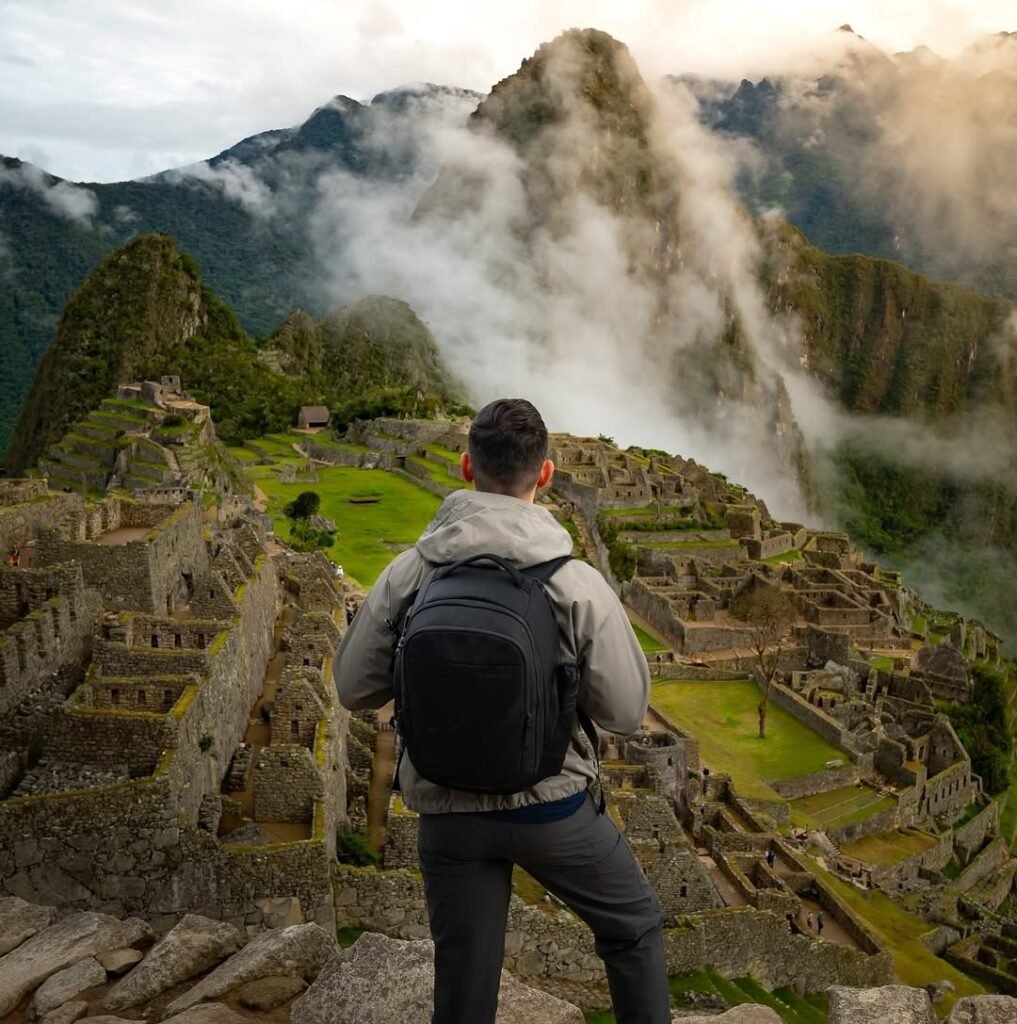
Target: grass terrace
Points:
(647, 641)
(377, 514)
(437, 472)
(890, 848)
(794, 555)
(839, 807)
(900, 932)
(723, 716)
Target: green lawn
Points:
(375, 512)
(690, 544)
(838, 807)
(723, 717)
(890, 848)
(646, 641)
(788, 556)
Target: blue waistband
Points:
(534, 814)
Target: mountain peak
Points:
(580, 71)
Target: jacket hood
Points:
(476, 522)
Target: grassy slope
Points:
(365, 530)
(723, 717)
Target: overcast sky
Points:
(101, 90)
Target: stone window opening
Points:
(114, 696)
(155, 639)
(178, 640)
(141, 698)
(295, 727)
(167, 696)
(201, 641)
(684, 890)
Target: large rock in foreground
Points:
(194, 945)
(63, 944)
(984, 1010)
(299, 951)
(747, 1013)
(20, 920)
(891, 1004)
(63, 986)
(379, 980)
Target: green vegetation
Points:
(125, 323)
(647, 642)
(723, 716)
(900, 932)
(890, 848)
(304, 505)
(377, 514)
(982, 726)
(347, 936)
(837, 808)
(352, 847)
(793, 555)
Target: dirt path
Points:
(260, 499)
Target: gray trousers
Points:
(467, 860)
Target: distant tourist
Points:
(810, 922)
(771, 857)
(472, 834)
(820, 921)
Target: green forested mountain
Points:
(246, 215)
(144, 312)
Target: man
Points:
(468, 841)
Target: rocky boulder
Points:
(63, 986)
(268, 993)
(940, 660)
(120, 961)
(20, 920)
(63, 944)
(69, 1013)
(379, 980)
(891, 1004)
(209, 1013)
(299, 951)
(194, 945)
(984, 1010)
(744, 1014)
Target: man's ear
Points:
(546, 472)
(466, 467)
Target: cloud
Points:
(596, 313)
(70, 201)
(236, 181)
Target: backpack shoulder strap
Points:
(545, 570)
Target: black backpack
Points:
(483, 702)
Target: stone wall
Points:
(817, 782)
(286, 784)
(143, 575)
(57, 633)
(20, 524)
(401, 829)
(545, 947)
(970, 837)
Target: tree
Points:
(770, 612)
(304, 505)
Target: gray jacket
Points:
(614, 686)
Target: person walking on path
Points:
(820, 921)
(810, 922)
(469, 841)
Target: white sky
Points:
(104, 90)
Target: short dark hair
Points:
(508, 445)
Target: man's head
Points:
(508, 449)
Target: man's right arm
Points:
(363, 663)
